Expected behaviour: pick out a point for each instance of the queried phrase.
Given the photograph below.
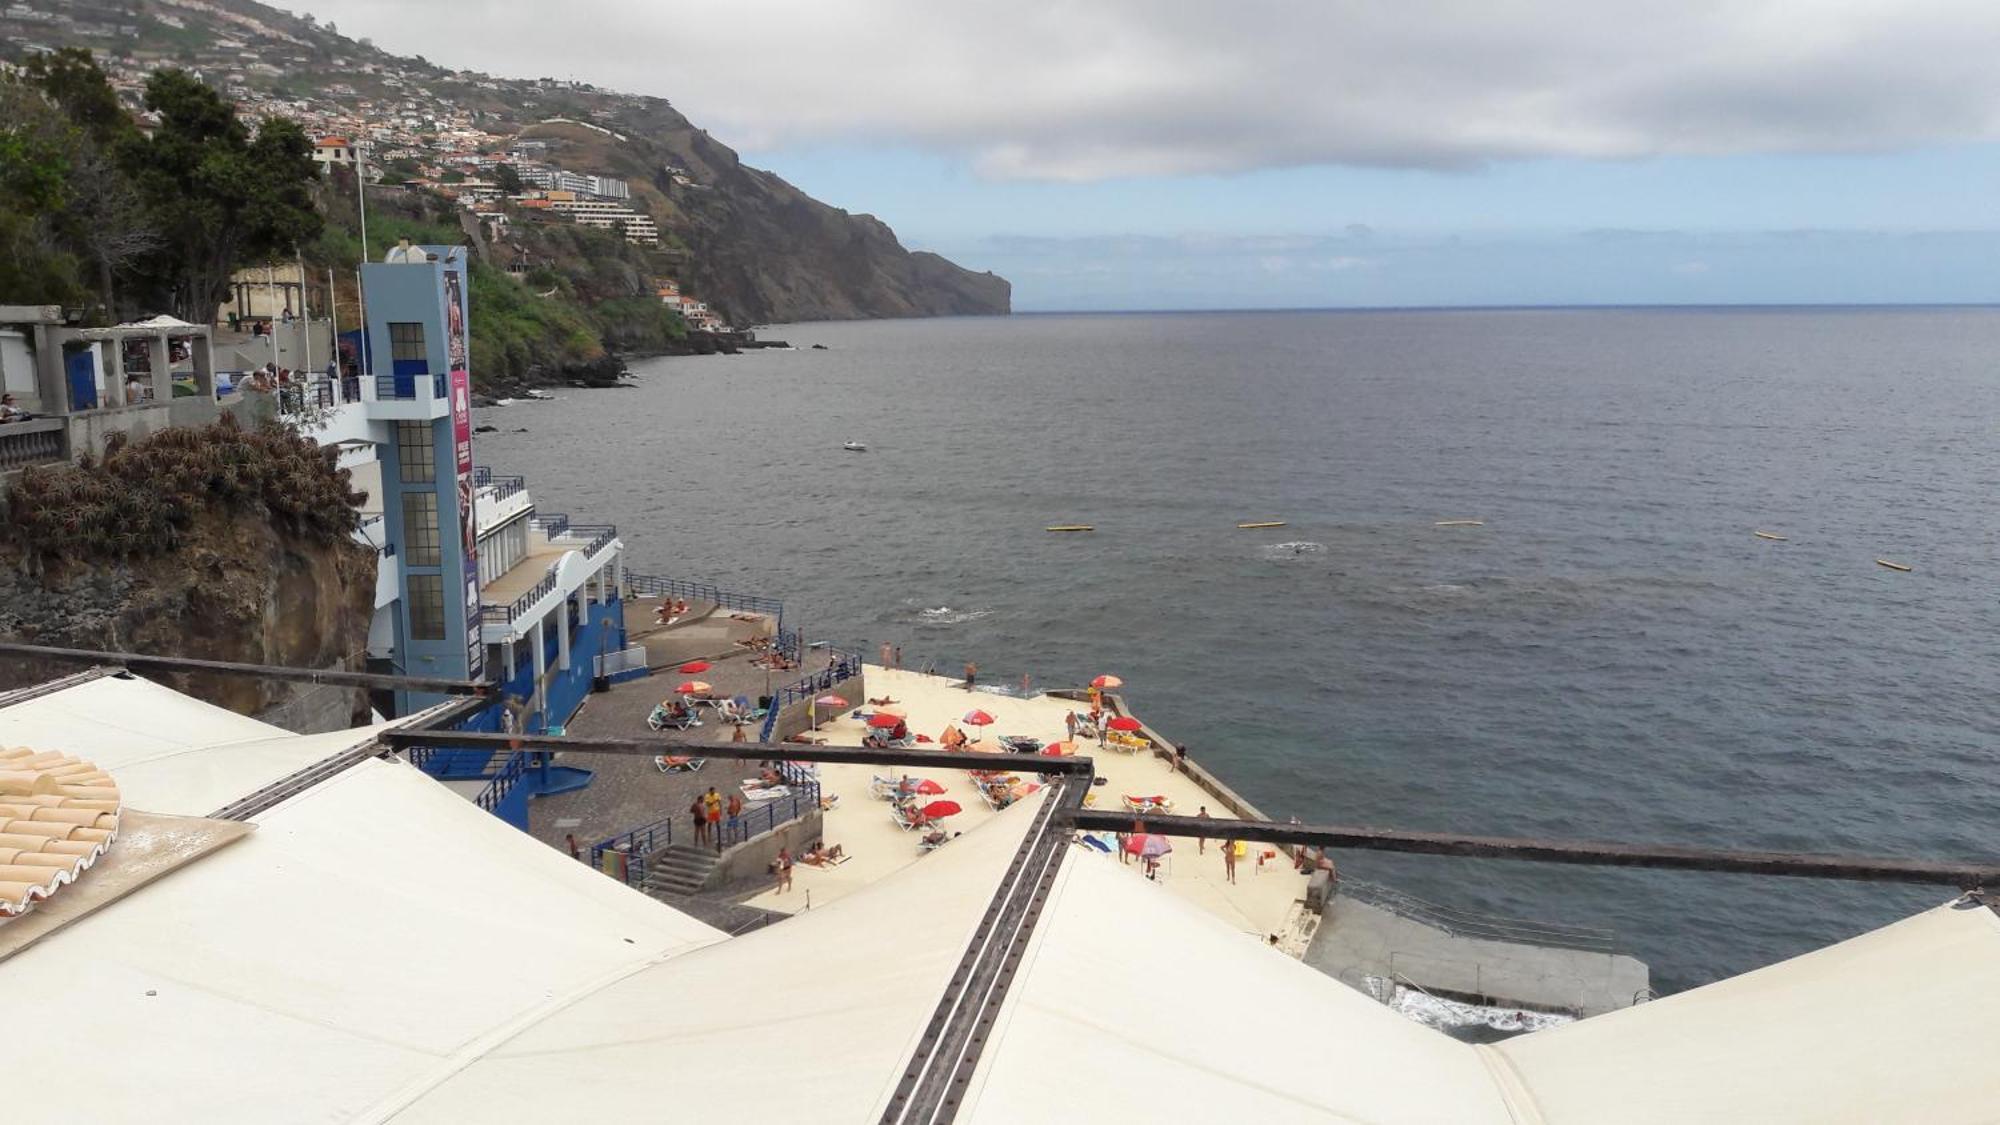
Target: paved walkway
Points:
(627, 791)
(705, 632)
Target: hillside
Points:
(754, 247)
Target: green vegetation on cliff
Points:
(143, 496)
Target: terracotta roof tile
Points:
(57, 815)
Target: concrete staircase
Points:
(679, 870)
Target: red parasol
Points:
(937, 809)
(882, 720)
(693, 666)
(1103, 682)
(1124, 723)
(692, 687)
(929, 788)
(978, 718)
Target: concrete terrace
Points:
(1263, 901)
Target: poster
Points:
(455, 336)
(468, 515)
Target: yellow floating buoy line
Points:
(1893, 565)
(1073, 527)
(1771, 535)
(1255, 526)
(1460, 523)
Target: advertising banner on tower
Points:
(461, 440)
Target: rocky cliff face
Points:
(236, 589)
(759, 249)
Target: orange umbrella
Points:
(693, 687)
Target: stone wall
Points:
(797, 716)
(752, 858)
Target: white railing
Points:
(612, 663)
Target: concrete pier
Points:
(1358, 940)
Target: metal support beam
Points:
(141, 663)
(744, 751)
(1965, 876)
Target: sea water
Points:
(1612, 655)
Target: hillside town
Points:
(390, 120)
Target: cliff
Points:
(234, 590)
(753, 245)
(217, 542)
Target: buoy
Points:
(1461, 523)
(1892, 565)
(1771, 535)
(1073, 527)
(1254, 526)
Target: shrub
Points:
(138, 500)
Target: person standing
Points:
(971, 675)
(784, 869)
(896, 658)
(575, 852)
(700, 815)
(739, 736)
(1229, 860)
(887, 655)
(735, 812)
(1201, 842)
(711, 803)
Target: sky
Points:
(1158, 154)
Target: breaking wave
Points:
(945, 615)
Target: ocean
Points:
(1612, 655)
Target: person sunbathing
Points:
(821, 855)
(885, 701)
(952, 739)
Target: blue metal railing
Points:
(844, 666)
(550, 524)
(765, 817)
(511, 771)
(405, 386)
(505, 614)
(654, 586)
(634, 847)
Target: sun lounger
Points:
(1020, 743)
(1155, 803)
(755, 791)
(662, 719)
(677, 763)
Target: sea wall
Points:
(1165, 749)
(797, 716)
(752, 858)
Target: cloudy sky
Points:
(1162, 154)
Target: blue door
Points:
(82, 380)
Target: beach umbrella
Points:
(978, 718)
(691, 687)
(825, 701)
(1147, 845)
(882, 720)
(1124, 723)
(1105, 683)
(929, 788)
(1057, 749)
(939, 809)
(693, 666)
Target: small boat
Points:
(1771, 535)
(1460, 523)
(1904, 567)
(1255, 526)
(1073, 527)
(854, 446)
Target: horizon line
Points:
(1551, 307)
